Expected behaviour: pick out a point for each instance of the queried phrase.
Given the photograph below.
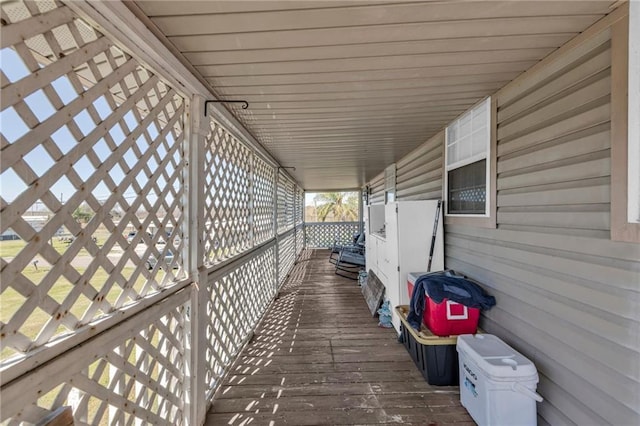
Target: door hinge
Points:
(398, 269)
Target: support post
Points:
(196, 132)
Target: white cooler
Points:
(497, 383)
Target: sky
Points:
(13, 128)
(308, 198)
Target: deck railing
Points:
(325, 234)
(178, 232)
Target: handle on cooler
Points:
(451, 316)
(518, 387)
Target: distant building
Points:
(8, 235)
(37, 222)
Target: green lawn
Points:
(11, 301)
(11, 248)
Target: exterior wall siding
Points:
(376, 186)
(567, 296)
(569, 304)
(419, 174)
(554, 150)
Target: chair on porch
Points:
(357, 246)
(350, 260)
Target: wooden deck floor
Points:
(320, 358)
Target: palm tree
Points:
(343, 205)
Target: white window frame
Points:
(390, 184)
(633, 165)
(486, 155)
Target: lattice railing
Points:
(290, 205)
(238, 197)
(286, 203)
(299, 206)
(324, 234)
(133, 374)
(263, 200)
(227, 195)
(95, 307)
(286, 255)
(89, 122)
(299, 239)
(236, 301)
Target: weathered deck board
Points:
(320, 358)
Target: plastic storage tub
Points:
(447, 318)
(497, 383)
(435, 357)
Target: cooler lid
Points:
(413, 276)
(497, 359)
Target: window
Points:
(468, 141)
(390, 184)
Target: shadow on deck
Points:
(319, 357)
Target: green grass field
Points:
(11, 248)
(11, 301)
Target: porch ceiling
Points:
(341, 89)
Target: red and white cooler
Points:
(446, 318)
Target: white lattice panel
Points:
(263, 201)
(139, 380)
(94, 151)
(285, 203)
(286, 256)
(324, 234)
(227, 195)
(290, 205)
(237, 300)
(299, 239)
(93, 174)
(299, 203)
(281, 203)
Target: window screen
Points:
(467, 142)
(467, 189)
